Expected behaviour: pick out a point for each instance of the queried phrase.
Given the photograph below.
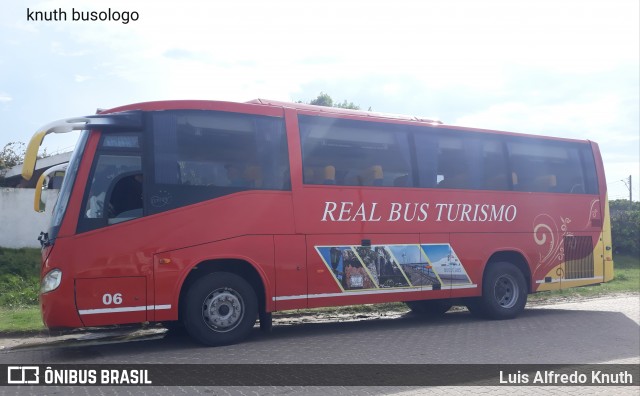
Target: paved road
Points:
(603, 330)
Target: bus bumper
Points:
(58, 308)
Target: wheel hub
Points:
(506, 291)
(223, 310)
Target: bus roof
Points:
(340, 112)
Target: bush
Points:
(23, 262)
(19, 277)
(625, 226)
(16, 291)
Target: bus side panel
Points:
(474, 250)
(570, 265)
(290, 272)
(173, 267)
(133, 248)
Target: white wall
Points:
(20, 225)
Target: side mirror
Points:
(39, 205)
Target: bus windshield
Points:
(66, 188)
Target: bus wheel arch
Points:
(515, 258)
(506, 282)
(234, 271)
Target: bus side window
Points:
(353, 153)
(253, 176)
(454, 172)
(377, 175)
(577, 187)
(116, 187)
(497, 182)
(218, 154)
(494, 169)
(545, 183)
(458, 156)
(552, 166)
(401, 181)
(236, 175)
(329, 175)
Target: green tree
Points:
(324, 99)
(625, 226)
(11, 155)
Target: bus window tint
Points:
(547, 167)
(354, 153)
(589, 166)
(460, 161)
(454, 170)
(200, 155)
(495, 172)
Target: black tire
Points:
(429, 307)
(221, 309)
(504, 292)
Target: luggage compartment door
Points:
(106, 301)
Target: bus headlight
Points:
(51, 281)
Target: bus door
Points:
(113, 263)
(291, 272)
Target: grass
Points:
(24, 319)
(19, 283)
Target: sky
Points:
(560, 68)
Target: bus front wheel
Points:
(221, 309)
(504, 293)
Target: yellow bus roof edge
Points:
(31, 155)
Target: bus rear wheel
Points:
(504, 293)
(429, 307)
(221, 309)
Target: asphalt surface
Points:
(592, 331)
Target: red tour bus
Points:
(215, 214)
